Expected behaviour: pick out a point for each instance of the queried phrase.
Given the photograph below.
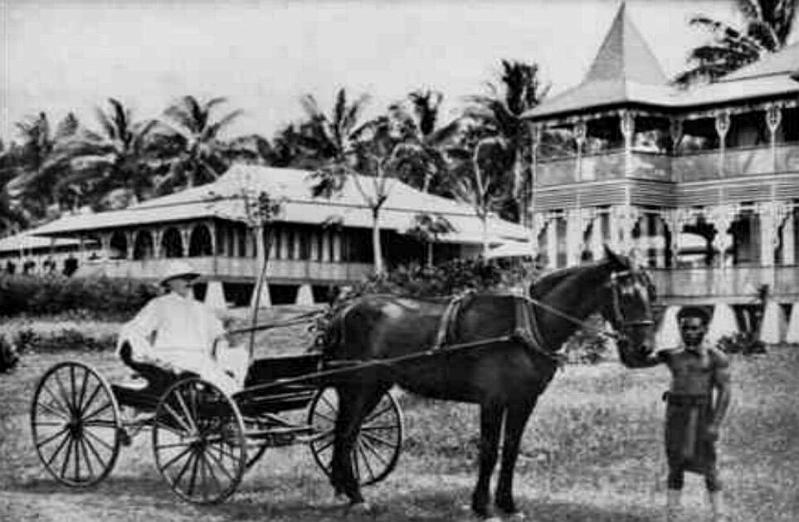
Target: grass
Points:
(593, 451)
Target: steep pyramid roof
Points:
(624, 70)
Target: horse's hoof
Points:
(360, 508)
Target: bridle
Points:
(619, 321)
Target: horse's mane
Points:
(544, 284)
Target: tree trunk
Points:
(430, 254)
(484, 222)
(518, 187)
(377, 251)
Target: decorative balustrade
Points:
(738, 284)
(698, 166)
(236, 268)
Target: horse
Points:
(504, 376)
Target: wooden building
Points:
(701, 184)
(314, 243)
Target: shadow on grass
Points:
(445, 504)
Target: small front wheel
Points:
(75, 424)
(199, 441)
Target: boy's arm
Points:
(722, 384)
(635, 360)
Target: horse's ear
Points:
(614, 258)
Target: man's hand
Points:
(712, 432)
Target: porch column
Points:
(129, 244)
(304, 295)
(285, 247)
(552, 242)
(627, 125)
(185, 239)
(773, 120)
(535, 135)
(337, 246)
(597, 238)
(579, 130)
(788, 243)
(659, 242)
(326, 246)
(157, 235)
(767, 212)
(622, 223)
(538, 225)
(722, 127)
(212, 230)
(574, 236)
(105, 243)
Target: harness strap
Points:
(448, 319)
(528, 333)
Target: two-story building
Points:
(701, 184)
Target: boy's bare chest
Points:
(692, 373)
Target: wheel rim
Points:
(198, 441)
(377, 446)
(75, 423)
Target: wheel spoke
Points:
(188, 414)
(381, 440)
(97, 411)
(368, 445)
(320, 414)
(77, 459)
(83, 445)
(65, 464)
(91, 398)
(82, 394)
(327, 444)
(49, 423)
(376, 414)
(193, 478)
(329, 403)
(95, 453)
(177, 457)
(58, 450)
(98, 439)
(207, 461)
(58, 401)
(184, 468)
(52, 437)
(222, 464)
(64, 394)
(359, 450)
(178, 418)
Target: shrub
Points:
(84, 297)
(9, 357)
(28, 340)
(745, 343)
(588, 346)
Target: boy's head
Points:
(693, 322)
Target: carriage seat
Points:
(157, 380)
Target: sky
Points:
(71, 55)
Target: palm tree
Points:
(326, 138)
(33, 177)
(190, 143)
(423, 161)
(767, 25)
(500, 115)
(428, 228)
(108, 163)
(481, 179)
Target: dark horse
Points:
(505, 378)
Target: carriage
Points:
(203, 440)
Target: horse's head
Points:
(629, 306)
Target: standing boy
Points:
(697, 401)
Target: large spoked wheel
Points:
(76, 424)
(199, 442)
(377, 448)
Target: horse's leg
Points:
(490, 427)
(356, 401)
(515, 421)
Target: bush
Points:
(83, 297)
(9, 357)
(745, 343)
(28, 340)
(588, 346)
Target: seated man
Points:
(177, 333)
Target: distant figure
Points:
(696, 405)
(177, 333)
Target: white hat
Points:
(178, 269)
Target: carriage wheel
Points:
(75, 423)
(377, 447)
(198, 441)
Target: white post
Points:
(552, 242)
(772, 329)
(304, 295)
(723, 323)
(668, 332)
(792, 335)
(215, 296)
